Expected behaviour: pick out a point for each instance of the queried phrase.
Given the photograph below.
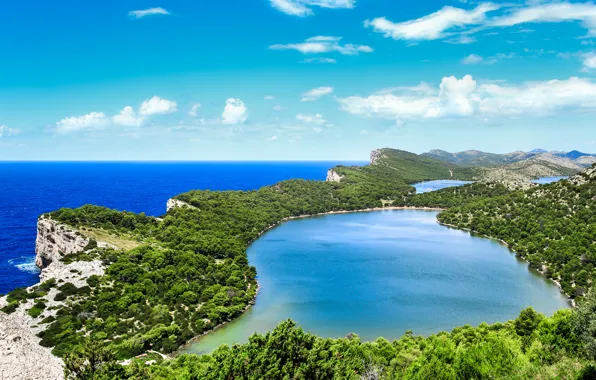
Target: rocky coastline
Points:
(21, 355)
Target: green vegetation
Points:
(532, 346)
(176, 277)
(553, 227)
(393, 172)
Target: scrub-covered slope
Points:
(551, 226)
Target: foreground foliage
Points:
(532, 346)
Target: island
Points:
(120, 292)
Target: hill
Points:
(476, 158)
(404, 166)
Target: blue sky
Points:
(293, 79)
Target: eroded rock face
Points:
(174, 203)
(55, 240)
(332, 176)
(375, 155)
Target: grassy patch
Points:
(121, 241)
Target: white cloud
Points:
(148, 12)
(272, 138)
(269, 97)
(324, 44)
(465, 98)
(551, 12)
(316, 93)
(194, 110)
(589, 61)
(461, 40)
(317, 119)
(128, 117)
(90, 121)
(472, 59)
(157, 106)
(302, 8)
(320, 60)
(8, 132)
(235, 112)
(278, 108)
(434, 26)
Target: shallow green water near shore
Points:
(382, 273)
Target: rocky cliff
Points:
(375, 155)
(55, 240)
(21, 356)
(332, 176)
(174, 203)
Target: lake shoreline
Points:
(569, 299)
(197, 338)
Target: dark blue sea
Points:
(30, 189)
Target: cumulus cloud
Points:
(235, 112)
(90, 121)
(316, 93)
(194, 110)
(324, 44)
(148, 12)
(157, 106)
(465, 98)
(8, 132)
(128, 117)
(316, 119)
(303, 8)
(434, 26)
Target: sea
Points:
(28, 189)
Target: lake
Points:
(546, 180)
(425, 187)
(382, 273)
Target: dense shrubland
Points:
(530, 347)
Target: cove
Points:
(380, 274)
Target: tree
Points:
(584, 324)
(91, 361)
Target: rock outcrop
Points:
(55, 240)
(332, 176)
(21, 356)
(174, 203)
(375, 155)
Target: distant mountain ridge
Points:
(478, 158)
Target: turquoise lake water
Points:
(425, 187)
(546, 180)
(382, 273)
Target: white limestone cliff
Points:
(332, 176)
(174, 203)
(375, 155)
(21, 356)
(54, 240)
